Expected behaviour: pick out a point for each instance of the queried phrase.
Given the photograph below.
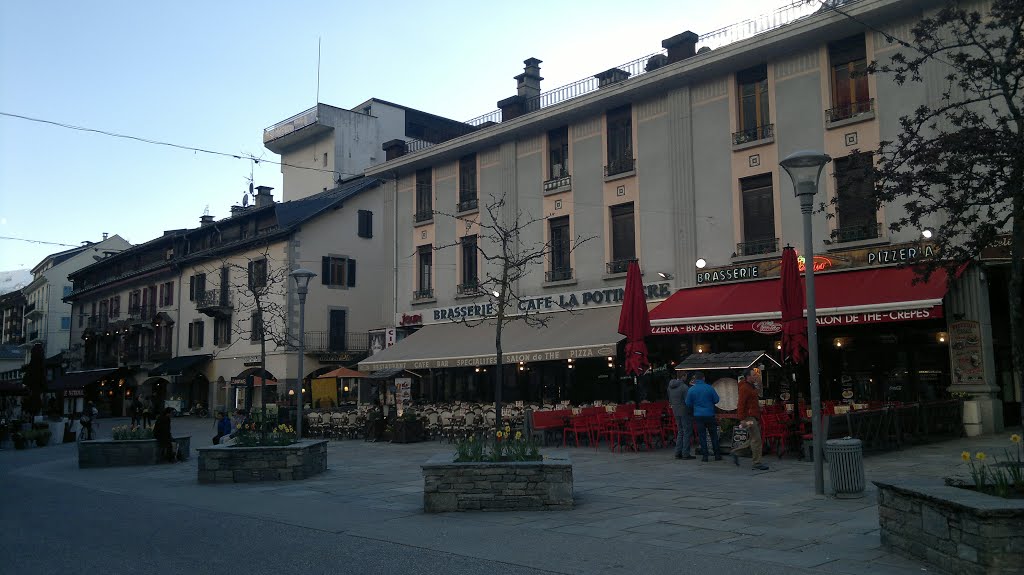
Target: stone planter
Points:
(958, 530)
(123, 453)
(230, 464)
(503, 486)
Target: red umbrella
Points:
(794, 326)
(634, 323)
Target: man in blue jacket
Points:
(702, 398)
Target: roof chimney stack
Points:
(527, 92)
(394, 149)
(205, 220)
(104, 235)
(263, 196)
(680, 46)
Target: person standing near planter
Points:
(135, 411)
(162, 435)
(88, 416)
(223, 427)
(702, 398)
(677, 390)
(749, 412)
(147, 412)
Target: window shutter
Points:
(216, 331)
(227, 332)
(191, 334)
(202, 332)
(325, 271)
(161, 300)
(192, 288)
(250, 275)
(351, 273)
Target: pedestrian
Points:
(135, 411)
(677, 389)
(162, 435)
(702, 398)
(88, 416)
(223, 427)
(147, 412)
(749, 412)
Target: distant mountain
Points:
(14, 279)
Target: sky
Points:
(213, 75)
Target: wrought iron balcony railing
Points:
(858, 232)
(558, 274)
(619, 166)
(757, 247)
(214, 298)
(424, 215)
(559, 182)
(468, 203)
(469, 288)
(328, 341)
(619, 266)
(850, 110)
(423, 294)
(755, 134)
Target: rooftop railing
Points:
(296, 122)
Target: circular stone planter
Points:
(958, 530)
(497, 486)
(230, 464)
(124, 453)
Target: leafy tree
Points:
(509, 253)
(959, 160)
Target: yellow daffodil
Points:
(980, 456)
(472, 439)
(1015, 438)
(508, 429)
(966, 456)
(498, 435)
(519, 435)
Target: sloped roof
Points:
(295, 212)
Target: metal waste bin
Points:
(846, 466)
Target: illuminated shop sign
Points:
(771, 327)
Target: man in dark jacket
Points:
(162, 435)
(749, 411)
(677, 389)
(702, 398)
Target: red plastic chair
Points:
(577, 425)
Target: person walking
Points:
(223, 427)
(749, 412)
(87, 419)
(702, 398)
(162, 435)
(677, 389)
(135, 411)
(147, 412)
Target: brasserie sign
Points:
(583, 299)
(772, 327)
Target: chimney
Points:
(263, 196)
(527, 92)
(512, 107)
(104, 235)
(680, 46)
(394, 149)
(235, 210)
(205, 220)
(611, 76)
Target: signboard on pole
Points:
(403, 393)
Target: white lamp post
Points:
(301, 277)
(804, 169)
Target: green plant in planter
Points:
(131, 433)
(498, 446)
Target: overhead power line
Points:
(38, 242)
(248, 157)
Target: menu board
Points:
(965, 353)
(403, 393)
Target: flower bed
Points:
(126, 452)
(497, 485)
(237, 464)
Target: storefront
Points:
(184, 384)
(108, 389)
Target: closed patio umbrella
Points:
(634, 322)
(794, 327)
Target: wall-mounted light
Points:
(941, 336)
(700, 263)
(838, 342)
(778, 345)
(570, 366)
(291, 392)
(477, 370)
(664, 275)
(303, 390)
(927, 233)
(522, 368)
(700, 349)
(569, 360)
(610, 358)
(345, 389)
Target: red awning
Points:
(843, 298)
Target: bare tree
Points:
(509, 252)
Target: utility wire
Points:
(248, 157)
(38, 242)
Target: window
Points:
(425, 263)
(848, 61)
(752, 90)
(467, 183)
(424, 196)
(115, 306)
(195, 334)
(167, 294)
(560, 244)
(222, 331)
(470, 280)
(856, 214)
(558, 153)
(255, 327)
(258, 273)
(620, 141)
(758, 216)
(365, 224)
(623, 238)
(134, 299)
(336, 335)
(196, 287)
(68, 290)
(65, 322)
(324, 163)
(338, 271)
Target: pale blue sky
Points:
(214, 74)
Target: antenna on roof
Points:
(317, 71)
(245, 200)
(206, 210)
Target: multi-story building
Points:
(175, 318)
(12, 318)
(673, 160)
(325, 145)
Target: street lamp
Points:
(804, 169)
(301, 277)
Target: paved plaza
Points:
(635, 512)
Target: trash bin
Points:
(846, 466)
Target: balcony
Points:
(215, 303)
(329, 346)
(618, 166)
(757, 247)
(558, 275)
(559, 180)
(619, 266)
(146, 354)
(423, 294)
(32, 312)
(757, 134)
(469, 288)
(858, 233)
(296, 129)
(849, 111)
(423, 215)
(141, 314)
(468, 203)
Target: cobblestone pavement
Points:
(633, 510)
